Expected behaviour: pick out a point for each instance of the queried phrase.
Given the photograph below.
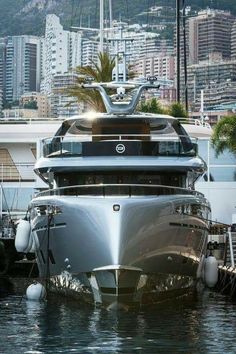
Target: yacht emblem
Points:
(120, 148)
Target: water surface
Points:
(204, 323)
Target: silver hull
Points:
(118, 249)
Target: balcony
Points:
(21, 172)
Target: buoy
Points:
(23, 239)
(35, 292)
(210, 271)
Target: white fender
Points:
(210, 270)
(35, 292)
(23, 239)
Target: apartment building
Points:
(160, 66)
(22, 65)
(209, 32)
(61, 53)
(89, 52)
(63, 105)
(42, 102)
(233, 41)
(216, 78)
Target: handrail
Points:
(130, 187)
(31, 120)
(125, 135)
(193, 121)
(231, 247)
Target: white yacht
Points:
(121, 221)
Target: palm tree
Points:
(176, 109)
(151, 106)
(101, 72)
(224, 135)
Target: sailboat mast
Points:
(110, 13)
(185, 59)
(101, 26)
(177, 51)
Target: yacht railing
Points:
(193, 121)
(30, 120)
(117, 144)
(130, 190)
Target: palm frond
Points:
(101, 72)
(224, 135)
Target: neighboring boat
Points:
(3, 260)
(196, 128)
(121, 221)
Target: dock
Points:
(223, 247)
(17, 264)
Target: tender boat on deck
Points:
(121, 222)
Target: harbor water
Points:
(203, 323)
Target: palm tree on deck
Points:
(101, 72)
(224, 135)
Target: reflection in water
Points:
(203, 324)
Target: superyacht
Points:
(121, 222)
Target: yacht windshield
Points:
(176, 179)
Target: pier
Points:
(223, 247)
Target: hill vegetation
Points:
(28, 16)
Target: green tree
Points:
(143, 107)
(224, 135)
(152, 106)
(101, 72)
(176, 109)
(31, 105)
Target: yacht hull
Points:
(118, 250)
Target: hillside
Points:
(28, 16)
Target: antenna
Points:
(120, 54)
(202, 106)
(101, 25)
(178, 49)
(110, 13)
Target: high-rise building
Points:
(62, 51)
(22, 66)
(159, 65)
(157, 46)
(216, 78)
(2, 68)
(209, 32)
(89, 51)
(1, 101)
(140, 44)
(233, 41)
(63, 105)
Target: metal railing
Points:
(196, 122)
(130, 190)
(17, 172)
(31, 120)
